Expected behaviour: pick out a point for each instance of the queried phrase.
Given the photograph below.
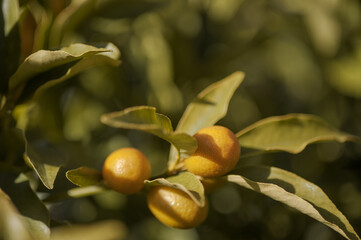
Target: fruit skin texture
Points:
(217, 153)
(125, 170)
(175, 208)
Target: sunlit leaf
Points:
(146, 119)
(45, 159)
(186, 182)
(45, 68)
(105, 230)
(290, 133)
(296, 192)
(34, 214)
(84, 176)
(210, 106)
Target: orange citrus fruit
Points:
(125, 170)
(217, 153)
(175, 208)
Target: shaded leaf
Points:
(78, 192)
(105, 230)
(209, 107)
(290, 133)
(11, 12)
(184, 181)
(45, 159)
(69, 18)
(9, 40)
(11, 224)
(86, 191)
(51, 67)
(84, 176)
(296, 192)
(146, 119)
(34, 214)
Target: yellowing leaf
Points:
(210, 106)
(146, 119)
(45, 68)
(45, 159)
(186, 182)
(296, 192)
(84, 176)
(290, 133)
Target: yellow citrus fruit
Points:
(217, 153)
(125, 170)
(175, 208)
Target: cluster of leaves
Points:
(22, 214)
(290, 133)
(27, 180)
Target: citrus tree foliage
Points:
(66, 102)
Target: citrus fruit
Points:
(217, 153)
(175, 208)
(125, 170)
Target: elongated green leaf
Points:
(184, 181)
(11, 14)
(69, 19)
(210, 106)
(45, 159)
(56, 66)
(84, 176)
(9, 40)
(105, 230)
(146, 119)
(290, 133)
(34, 214)
(296, 192)
(78, 192)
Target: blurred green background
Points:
(299, 56)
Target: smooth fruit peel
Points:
(175, 208)
(217, 153)
(125, 170)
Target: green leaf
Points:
(78, 192)
(105, 230)
(11, 13)
(9, 40)
(146, 119)
(84, 176)
(296, 192)
(86, 191)
(34, 214)
(52, 67)
(210, 106)
(184, 181)
(290, 133)
(69, 18)
(16, 228)
(45, 159)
